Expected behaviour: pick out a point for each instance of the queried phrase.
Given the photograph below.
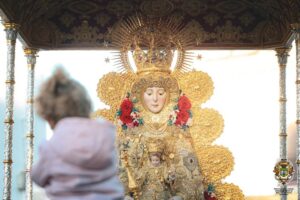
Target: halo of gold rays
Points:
(216, 162)
(171, 30)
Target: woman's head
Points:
(155, 91)
(154, 98)
(60, 97)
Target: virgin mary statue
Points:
(164, 136)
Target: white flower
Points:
(133, 114)
(173, 116)
(120, 122)
(189, 122)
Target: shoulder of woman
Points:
(105, 122)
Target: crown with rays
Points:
(155, 58)
(152, 44)
(155, 146)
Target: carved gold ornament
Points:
(226, 191)
(216, 162)
(113, 87)
(197, 85)
(207, 126)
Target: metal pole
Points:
(31, 55)
(282, 55)
(11, 36)
(296, 29)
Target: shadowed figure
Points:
(79, 161)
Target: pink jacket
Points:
(79, 162)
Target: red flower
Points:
(135, 123)
(184, 103)
(209, 196)
(126, 119)
(182, 118)
(126, 106)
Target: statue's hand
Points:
(176, 198)
(171, 176)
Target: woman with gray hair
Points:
(79, 161)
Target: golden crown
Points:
(154, 58)
(155, 146)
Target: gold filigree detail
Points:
(228, 32)
(102, 19)
(197, 85)
(10, 25)
(216, 162)
(67, 19)
(211, 19)
(81, 34)
(194, 7)
(246, 19)
(197, 32)
(31, 51)
(295, 26)
(108, 114)
(157, 8)
(119, 7)
(112, 88)
(7, 162)
(30, 135)
(228, 191)
(30, 101)
(9, 121)
(207, 126)
(10, 82)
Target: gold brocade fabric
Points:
(214, 162)
(177, 157)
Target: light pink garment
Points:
(79, 162)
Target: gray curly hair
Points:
(60, 97)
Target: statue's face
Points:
(155, 160)
(155, 98)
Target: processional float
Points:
(165, 135)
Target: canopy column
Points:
(282, 55)
(31, 55)
(296, 29)
(11, 30)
